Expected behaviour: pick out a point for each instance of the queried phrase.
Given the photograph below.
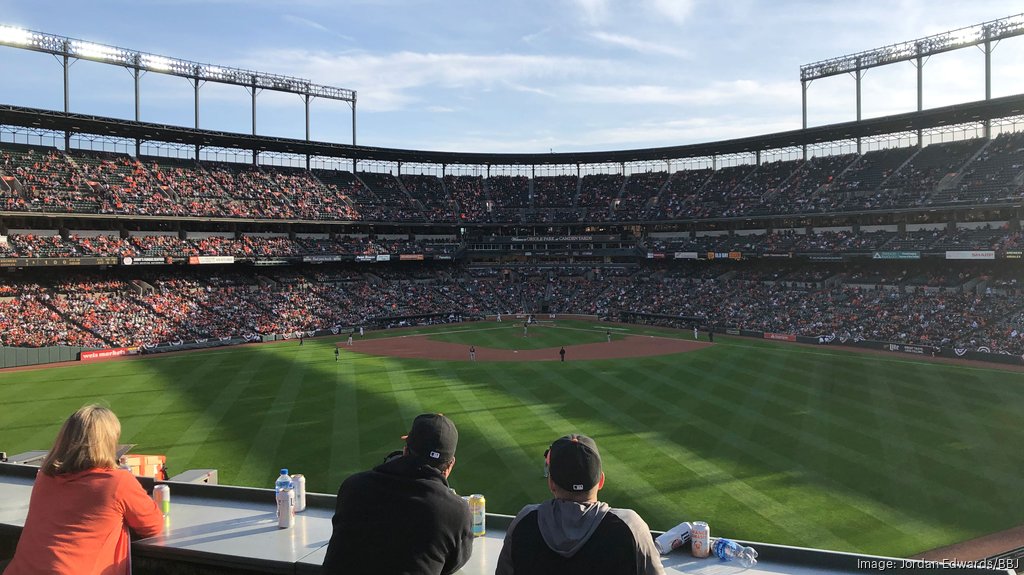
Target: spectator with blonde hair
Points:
(82, 505)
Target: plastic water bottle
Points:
(729, 550)
(284, 481)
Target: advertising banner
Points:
(725, 256)
(896, 256)
(686, 255)
(145, 260)
(325, 258)
(780, 336)
(107, 353)
(971, 255)
(411, 257)
(203, 260)
(1013, 254)
(383, 257)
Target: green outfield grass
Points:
(779, 443)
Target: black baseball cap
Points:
(433, 437)
(574, 463)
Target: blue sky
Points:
(512, 76)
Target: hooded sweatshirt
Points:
(561, 537)
(401, 519)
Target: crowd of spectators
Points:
(981, 171)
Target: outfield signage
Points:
(271, 262)
(685, 255)
(914, 349)
(1013, 254)
(411, 257)
(776, 255)
(145, 260)
(383, 257)
(365, 259)
(896, 255)
(971, 255)
(326, 258)
(203, 260)
(107, 353)
(520, 239)
(724, 256)
(780, 336)
(825, 258)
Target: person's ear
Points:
(600, 483)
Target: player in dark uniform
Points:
(561, 352)
(337, 352)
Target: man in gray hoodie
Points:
(574, 533)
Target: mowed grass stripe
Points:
(270, 428)
(343, 442)
(758, 503)
(882, 486)
(765, 447)
(852, 446)
(854, 430)
(209, 418)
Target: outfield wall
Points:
(26, 356)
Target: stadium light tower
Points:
(67, 50)
(985, 35)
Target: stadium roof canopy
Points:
(979, 111)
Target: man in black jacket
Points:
(401, 517)
(574, 533)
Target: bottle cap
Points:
(284, 471)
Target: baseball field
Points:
(782, 443)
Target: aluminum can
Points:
(299, 481)
(285, 509)
(700, 536)
(162, 497)
(478, 508)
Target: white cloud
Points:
(638, 45)
(715, 94)
(593, 12)
(440, 109)
(394, 81)
(676, 11)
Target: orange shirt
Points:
(78, 523)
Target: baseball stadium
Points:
(813, 340)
